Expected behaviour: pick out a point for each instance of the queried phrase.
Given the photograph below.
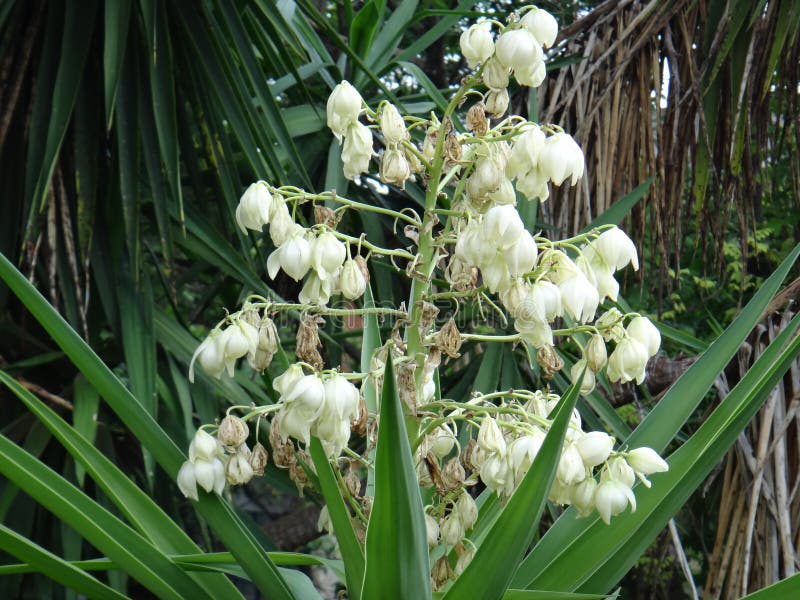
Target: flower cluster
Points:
(344, 107)
(313, 405)
(518, 50)
(246, 333)
(226, 457)
(470, 246)
(300, 251)
(506, 445)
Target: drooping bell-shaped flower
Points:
(351, 280)
(211, 356)
(521, 256)
(542, 25)
(394, 168)
(594, 447)
(588, 381)
(187, 482)
(532, 76)
(327, 254)
(643, 331)
(502, 226)
(293, 256)
(570, 466)
(579, 297)
(357, 150)
(645, 461)
(495, 75)
(477, 44)
(284, 382)
(611, 498)
(616, 249)
(496, 101)
(317, 291)
(517, 49)
(255, 206)
(344, 106)
(392, 125)
(525, 151)
(561, 158)
(628, 361)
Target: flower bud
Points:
(258, 459)
(203, 446)
(628, 361)
(238, 470)
(351, 280)
(477, 44)
(643, 331)
(392, 126)
(645, 460)
(187, 483)
(496, 101)
(596, 354)
(394, 168)
(293, 256)
(441, 441)
(477, 122)
(561, 158)
(542, 25)
(495, 75)
(344, 106)
(441, 572)
(610, 325)
(486, 178)
(281, 224)
(618, 469)
(517, 48)
(594, 448)
(255, 205)
(232, 432)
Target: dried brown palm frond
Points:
(758, 528)
(728, 114)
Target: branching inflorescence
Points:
(471, 240)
